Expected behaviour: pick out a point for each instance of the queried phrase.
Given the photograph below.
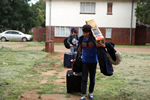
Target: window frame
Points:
(108, 35)
(85, 4)
(8, 32)
(59, 32)
(15, 33)
(109, 8)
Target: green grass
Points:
(15, 74)
(18, 75)
(130, 80)
(62, 44)
(20, 71)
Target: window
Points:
(87, 8)
(109, 8)
(62, 31)
(9, 32)
(16, 33)
(108, 32)
(80, 31)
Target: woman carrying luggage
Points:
(89, 61)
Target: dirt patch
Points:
(62, 76)
(134, 50)
(56, 65)
(63, 73)
(49, 72)
(43, 81)
(61, 79)
(34, 96)
(62, 49)
(34, 48)
(41, 65)
(60, 55)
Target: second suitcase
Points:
(67, 59)
(73, 81)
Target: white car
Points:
(14, 35)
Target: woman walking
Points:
(89, 61)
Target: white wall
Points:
(67, 13)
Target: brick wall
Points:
(38, 33)
(119, 35)
(140, 35)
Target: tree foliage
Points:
(16, 14)
(143, 11)
(39, 9)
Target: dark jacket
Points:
(105, 65)
(70, 39)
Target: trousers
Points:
(88, 68)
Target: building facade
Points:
(115, 18)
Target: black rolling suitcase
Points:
(73, 81)
(67, 59)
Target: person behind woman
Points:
(73, 41)
(89, 61)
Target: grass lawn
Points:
(18, 74)
(131, 80)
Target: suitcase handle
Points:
(75, 74)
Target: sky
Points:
(33, 1)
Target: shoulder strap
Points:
(70, 39)
(81, 39)
(92, 37)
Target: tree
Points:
(39, 9)
(5, 9)
(143, 11)
(16, 14)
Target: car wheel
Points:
(3, 39)
(24, 39)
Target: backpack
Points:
(67, 45)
